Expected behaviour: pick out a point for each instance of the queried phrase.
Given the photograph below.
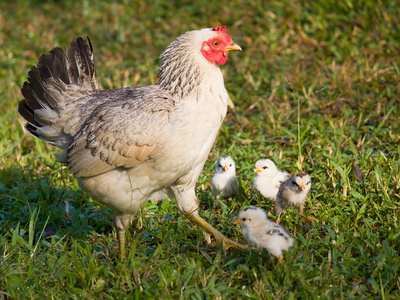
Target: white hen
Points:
(268, 178)
(125, 145)
(262, 233)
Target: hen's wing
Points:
(121, 132)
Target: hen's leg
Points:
(122, 222)
(226, 243)
(188, 205)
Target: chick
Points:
(262, 233)
(224, 182)
(292, 194)
(268, 178)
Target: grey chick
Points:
(292, 194)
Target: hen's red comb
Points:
(220, 28)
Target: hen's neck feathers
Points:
(182, 64)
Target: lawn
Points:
(316, 89)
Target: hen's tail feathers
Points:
(51, 83)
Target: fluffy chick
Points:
(268, 178)
(224, 181)
(262, 233)
(292, 194)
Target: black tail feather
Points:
(46, 90)
(27, 113)
(53, 65)
(33, 91)
(81, 61)
(32, 130)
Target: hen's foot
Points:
(220, 238)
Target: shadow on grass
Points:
(58, 208)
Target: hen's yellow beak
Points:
(232, 46)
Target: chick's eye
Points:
(265, 167)
(230, 165)
(244, 219)
(216, 43)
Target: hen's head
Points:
(192, 55)
(215, 48)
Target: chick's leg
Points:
(279, 211)
(308, 220)
(280, 260)
(188, 205)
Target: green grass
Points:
(316, 88)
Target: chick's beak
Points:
(236, 221)
(226, 168)
(302, 186)
(257, 170)
(232, 46)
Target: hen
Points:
(125, 145)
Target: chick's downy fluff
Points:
(224, 182)
(268, 178)
(293, 194)
(262, 233)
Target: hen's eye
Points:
(216, 43)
